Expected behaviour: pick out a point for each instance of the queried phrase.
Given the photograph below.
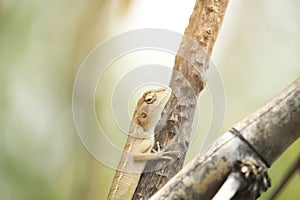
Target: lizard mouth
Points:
(165, 97)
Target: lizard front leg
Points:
(156, 155)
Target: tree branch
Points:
(187, 81)
(270, 131)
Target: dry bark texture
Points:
(187, 81)
(270, 130)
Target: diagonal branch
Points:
(270, 131)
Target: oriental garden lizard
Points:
(137, 150)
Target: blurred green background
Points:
(43, 43)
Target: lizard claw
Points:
(158, 147)
(167, 158)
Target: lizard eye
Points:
(149, 97)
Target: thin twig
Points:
(229, 187)
(291, 171)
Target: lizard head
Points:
(150, 106)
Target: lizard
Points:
(140, 141)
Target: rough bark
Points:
(270, 130)
(187, 81)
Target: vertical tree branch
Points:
(187, 82)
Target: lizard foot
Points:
(164, 154)
(156, 155)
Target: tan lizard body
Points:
(139, 143)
